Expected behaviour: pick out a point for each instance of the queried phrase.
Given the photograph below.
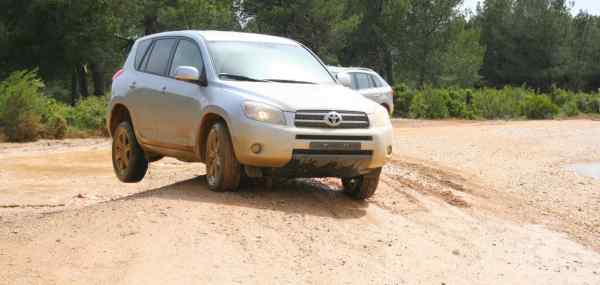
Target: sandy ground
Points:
(461, 203)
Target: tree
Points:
(372, 43)
(525, 42)
(60, 37)
(462, 60)
(584, 57)
(427, 31)
(319, 24)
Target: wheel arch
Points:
(387, 107)
(119, 113)
(210, 117)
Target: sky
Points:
(592, 6)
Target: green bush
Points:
(498, 104)
(56, 126)
(457, 103)
(430, 104)
(560, 97)
(539, 107)
(570, 109)
(26, 114)
(588, 103)
(403, 97)
(89, 114)
(22, 106)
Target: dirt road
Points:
(462, 203)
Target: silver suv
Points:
(366, 82)
(246, 105)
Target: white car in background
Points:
(366, 82)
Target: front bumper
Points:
(287, 149)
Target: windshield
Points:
(253, 61)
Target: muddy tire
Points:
(362, 187)
(129, 161)
(223, 170)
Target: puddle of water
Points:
(586, 169)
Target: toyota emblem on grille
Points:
(333, 119)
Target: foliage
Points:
(539, 107)
(26, 114)
(457, 103)
(588, 103)
(89, 114)
(319, 24)
(498, 104)
(403, 97)
(430, 103)
(461, 61)
(526, 42)
(487, 103)
(22, 106)
(570, 109)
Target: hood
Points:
(293, 97)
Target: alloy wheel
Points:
(214, 163)
(123, 150)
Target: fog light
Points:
(256, 148)
(389, 150)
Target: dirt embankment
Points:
(461, 203)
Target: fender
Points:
(120, 101)
(207, 113)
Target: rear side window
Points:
(376, 81)
(141, 50)
(187, 54)
(159, 56)
(363, 81)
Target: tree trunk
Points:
(83, 84)
(150, 24)
(389, 66)
(98, 78)
(74, 86)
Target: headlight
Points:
(381, 118)
(263, 113)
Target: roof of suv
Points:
(212, 36)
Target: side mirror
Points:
(189, 74)
(344, 79)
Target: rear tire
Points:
(223, 170)
(129, 162)
(362, 187)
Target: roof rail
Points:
(354, 67)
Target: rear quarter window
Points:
(141, 50)
(376, 82)
(363, 81)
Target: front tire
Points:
(223, 170)
(362, 187)
(129, 162)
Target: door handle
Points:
(164, 89)
(132, 85)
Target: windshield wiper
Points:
(241, 77)
(290, 81)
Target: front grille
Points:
(316, 119)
